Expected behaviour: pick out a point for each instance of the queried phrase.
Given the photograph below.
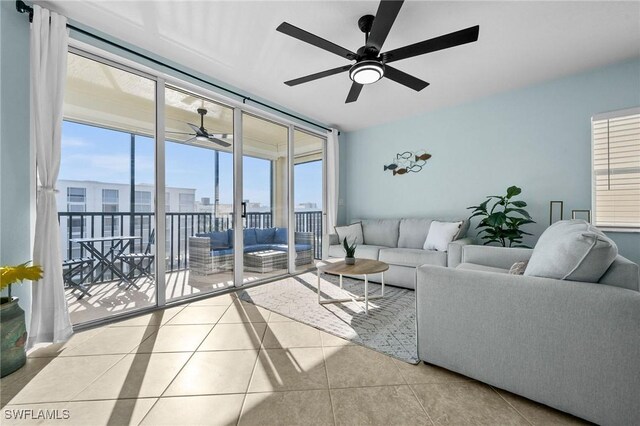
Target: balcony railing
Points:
(179, 227)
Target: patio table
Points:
(106, 260)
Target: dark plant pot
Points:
(349, 260)
(13, 336)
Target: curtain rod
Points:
(22, 7)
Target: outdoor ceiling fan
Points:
(202, 135)
(370, 64)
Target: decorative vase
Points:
(13, 336)
(349, 260)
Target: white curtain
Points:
(49, 40)
(333, 168)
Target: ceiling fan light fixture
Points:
(202, 138)
(366, 72)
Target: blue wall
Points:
(15, 242)
(537, 138)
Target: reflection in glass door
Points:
(199, 201)
(265, 198)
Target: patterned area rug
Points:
(389, 328)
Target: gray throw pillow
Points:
(353, 233)
(572, 250)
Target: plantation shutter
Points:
(616, 169)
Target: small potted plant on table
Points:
(350, 251)
(13, 333)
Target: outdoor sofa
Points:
(213, 252)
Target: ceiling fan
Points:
(202, 135)
(370, 63)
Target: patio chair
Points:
(71, 270)
(140, 264)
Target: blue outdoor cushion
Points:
(216, 239)
(257, 247)
(221, 252)
(284, 247)
(230, 237)
(281, 236)
(250, 237)
(265, 236)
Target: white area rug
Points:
(389, 328)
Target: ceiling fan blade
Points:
(404, 78)
(385, 16)
(220, 142)
(196, 129)
(317, 75)
(354, 92)
(313, 39)
(179, 133)
(468, 35)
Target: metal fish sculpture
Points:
(391, 166)
(423, 157)
(406, 155)
(399, 171)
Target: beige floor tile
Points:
(539, 414)
(85, 413)
(202, 410)
(331, 340)
(53, 350)
(287, 408)
(175, 338)
(240, 312)
(214, 373)
(466, 403)
(32, 367)
(136, 376)
(155, 318)
(221, 300)
(289, 369)
(198, 315)
(428, 373)
(354, 366)
(64, 377)
(291, 335)
(385, 405)
(226, 337)
(112, 340)
(275, 317)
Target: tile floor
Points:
(222, 361)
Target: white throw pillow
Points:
(441, 234)
(353, 233)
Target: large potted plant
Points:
(501, 219)
(13, 331)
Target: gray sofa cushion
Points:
(413, 233)
(412, 257)
(364, 251)
(572, 250)
(483, 268)
(622, 273)
(381, 232)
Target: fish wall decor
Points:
(408, 162)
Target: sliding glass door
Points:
(199, 204)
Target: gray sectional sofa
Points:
(399, 242)
(574, 346)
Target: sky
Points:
(92, 153)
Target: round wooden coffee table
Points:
(363, 267)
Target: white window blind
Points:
(616, 169)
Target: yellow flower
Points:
(12, 274)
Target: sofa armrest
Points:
(571, 345)
(496, 257)
(454, 251)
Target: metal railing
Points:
(179, 227)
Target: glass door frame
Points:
(163, 80)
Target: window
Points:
(110, 200)
(142, 201)
(76, 199)
(187, 202)
(616, 169)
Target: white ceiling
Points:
(520, 43)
